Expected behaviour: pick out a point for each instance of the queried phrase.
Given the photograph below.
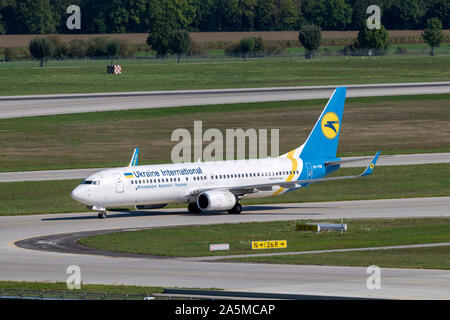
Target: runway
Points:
(28, 106)
(388, 160)
(29, 265)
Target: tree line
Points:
(159, 16)
(369, 42)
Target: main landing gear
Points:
(237, 209)
(193, 208)
(102, 215)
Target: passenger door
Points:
(119, 182)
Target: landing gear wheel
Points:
(102, 215)
(237, 209)
(193, 208)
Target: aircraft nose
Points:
(79, 194)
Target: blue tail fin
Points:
(323, 140)
(134, 158)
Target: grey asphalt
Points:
(388, 160)
(30, 265)
(38, 105)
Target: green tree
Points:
(138, 18)
(439, 9)
(105, 16)
(33, 16)
(276, 15)
(179, 43)
(42, 49)
(77, 48)
(328, 14)
(165, 17)
(61, 50)
(113, 47)
(246, 46)
(246, 12)
(433, 34)
(403, 15)
(2, 28)
(310, 36)
(228, 13)
(260, 47)
(375, 40)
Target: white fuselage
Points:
(173, 183)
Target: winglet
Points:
(371, 165)
(134, 158)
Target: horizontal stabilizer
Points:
(371, 166)
(341, 161)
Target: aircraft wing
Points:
(252, 188)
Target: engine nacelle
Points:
(216, 200)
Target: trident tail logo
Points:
(330, 125)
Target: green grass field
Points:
(417, 258)
(92, 288)
(142, 76)
(404, 182)
(194, 241)
(401, 124)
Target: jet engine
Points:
(216, 200)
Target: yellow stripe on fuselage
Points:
(290, 156)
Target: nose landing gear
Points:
(102, 215)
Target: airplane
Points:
(221, 185)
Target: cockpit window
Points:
(94, 182)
